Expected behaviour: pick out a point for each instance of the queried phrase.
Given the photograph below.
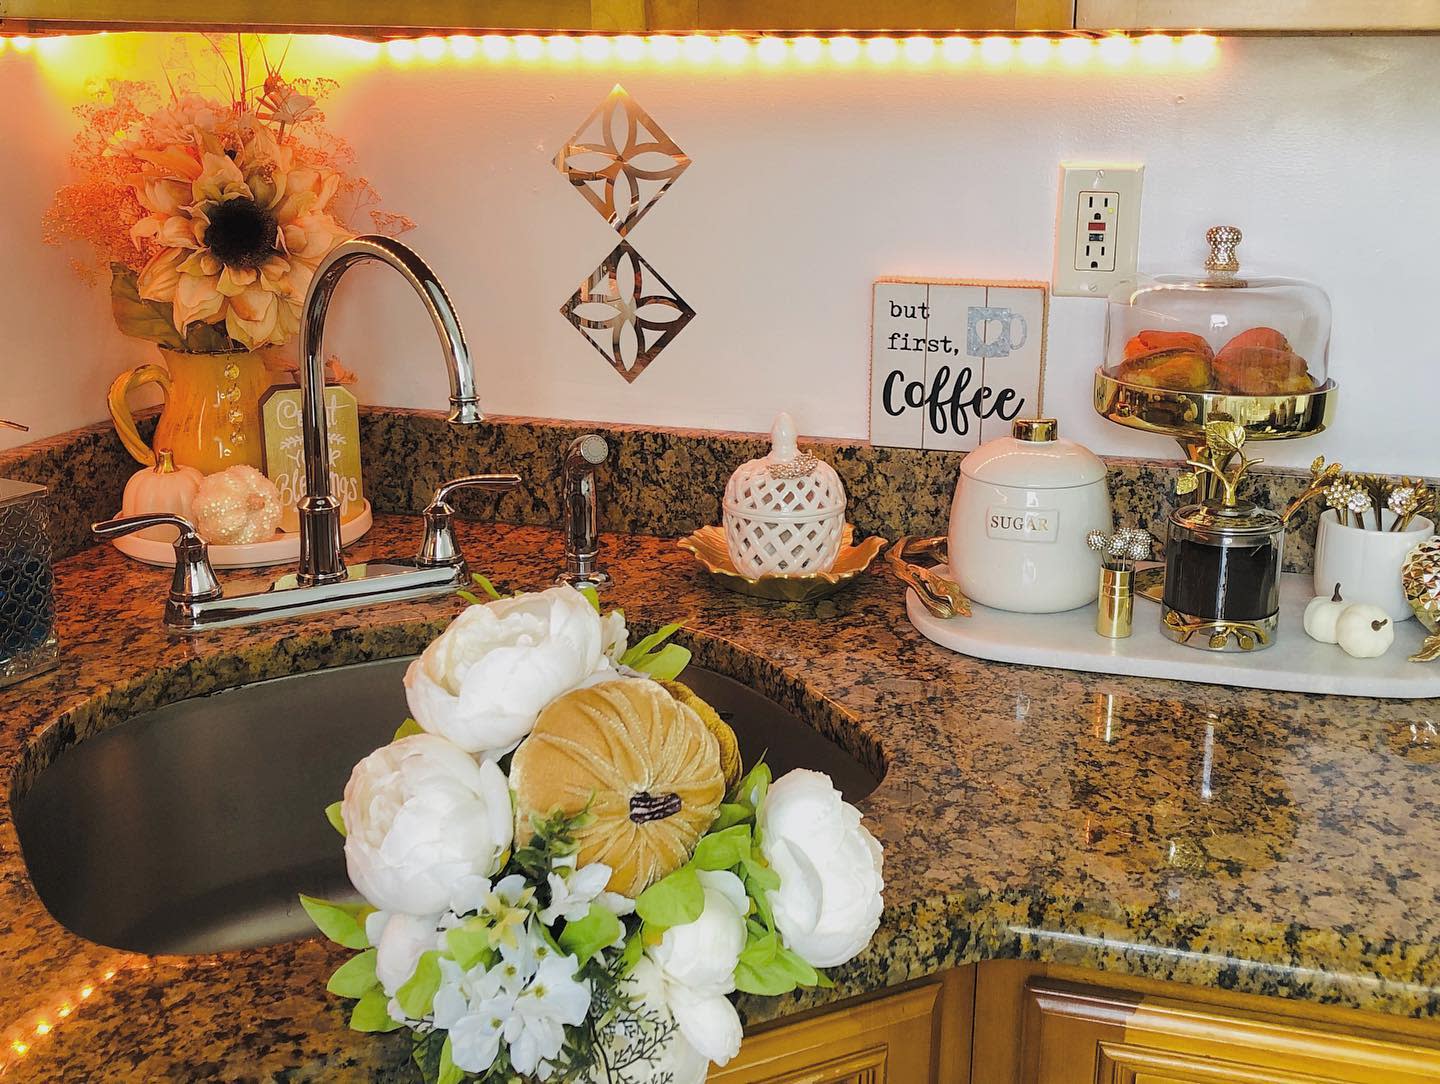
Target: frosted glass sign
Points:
(952, 363)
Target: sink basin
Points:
(192, 828)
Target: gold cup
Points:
(1117, 603)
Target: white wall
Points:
(805, 187)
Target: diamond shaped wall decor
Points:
(621, 161)
(627, 311)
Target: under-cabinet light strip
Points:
(1150, 51)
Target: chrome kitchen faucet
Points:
(322, 581)
(582, 513)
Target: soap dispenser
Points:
(1022, 509)
(27, 609)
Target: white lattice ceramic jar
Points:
(784, 513)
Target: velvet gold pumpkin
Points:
(644, 765)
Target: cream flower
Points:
(239, 231)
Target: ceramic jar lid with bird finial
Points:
(784, 512)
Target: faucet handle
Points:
(439, 547)
(194, 579)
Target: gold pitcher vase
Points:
(211, 415)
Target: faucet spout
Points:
(320, 557)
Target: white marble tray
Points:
(1294, 663)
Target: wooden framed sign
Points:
(283, 458)
(953, 362)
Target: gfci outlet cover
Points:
(1097, 232)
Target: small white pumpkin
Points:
(1365, 632)
(165, 487)
(237, 507)
(1321, 614)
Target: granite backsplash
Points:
(662, 482)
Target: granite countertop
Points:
(1272, 843)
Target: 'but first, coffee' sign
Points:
(952, 364)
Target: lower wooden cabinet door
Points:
(890, 1040)
(1076, 1034)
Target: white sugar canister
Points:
(1022, 508)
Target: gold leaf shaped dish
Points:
(709, 548)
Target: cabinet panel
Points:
(891, 1040)
(1074, 1033)
(1291, 15)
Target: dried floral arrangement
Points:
(210, 211)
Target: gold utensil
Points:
(941, 596)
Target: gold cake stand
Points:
(1182, 415)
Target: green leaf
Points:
(355, 977)
(449, 1073)
(751, 790)
(418, 992)
(371, 1013)
(485, 585)
(667, 664)
(469, 943)
(731, 814)
(591, 595)
(589, 936)
(332, 814)
(343, 923)
(759, 970)
(138, 318)
(471, 597)
(407, 728)
(634, 949)
(673, 900)
(645, 646)
(723, 849)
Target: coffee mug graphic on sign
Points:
(1014, 331)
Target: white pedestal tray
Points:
(280, 550)
(1294, 663)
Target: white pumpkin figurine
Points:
(165, 487)
(237, 507)
(1322, 613)
(1364, 632)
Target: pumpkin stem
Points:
(645, 806)
(1336, 596)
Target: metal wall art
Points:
(622, 162)
(627, 311)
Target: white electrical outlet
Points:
(1098, 234)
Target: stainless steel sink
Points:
(192, 828)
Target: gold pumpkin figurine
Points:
(1420, 575)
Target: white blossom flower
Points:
(475, 1037)
(615, 636)
(573, 890)
(829, 901)
(420, 814)
(535, 1030)
(484, 681)
(697, 968)
(399, 941)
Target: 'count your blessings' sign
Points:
(952, 363)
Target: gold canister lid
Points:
(1038, 430)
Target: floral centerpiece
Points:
(565, 873)
(210, 214)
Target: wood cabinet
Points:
(917, 1036)
(683, 16)
(1293, 16)
(1035, 1027)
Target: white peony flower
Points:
(632, 1040)
(615, 635)
(697, 968)
(828, 904)
(399, 940)
(421, 814)
(483, 682)
(535, 1029)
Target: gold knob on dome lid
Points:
(1039, 430)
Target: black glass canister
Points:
(1222, 576)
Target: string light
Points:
(1150, 52)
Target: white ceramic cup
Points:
(1366, 562)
